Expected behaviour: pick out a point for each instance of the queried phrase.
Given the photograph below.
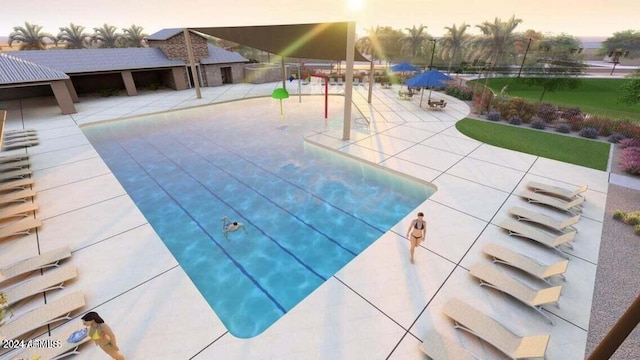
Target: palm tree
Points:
(453, 43)
(106, 36)
(74, 37)
(498, 40)
(414, 41)
(371, 44)
(30, 37)
(133, 36)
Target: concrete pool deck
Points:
(377, 306)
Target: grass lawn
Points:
(578, 151)
(593, 96)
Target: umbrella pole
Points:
(421, 95)
(429, 93)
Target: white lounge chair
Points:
(20, 227)
(16, 174)
(56, 310)
(19, 138)
(19, 144)
(438, 347)
(50, 280)
(557, 191)
(18, 210)
(16, 196)
(492, 277)
(518, 228)
(474, 321)
(15, 165)
(532, 267)
(53, 352)
(44, 260)
(12, 158)
(539, 198)
(563, 225)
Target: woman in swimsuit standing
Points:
(416, 233)
(102, 335)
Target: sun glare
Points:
(355, 5)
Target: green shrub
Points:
(619, 214)
(632, 218)
(108, 92)
(636, 229)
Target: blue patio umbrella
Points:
(403, 66)
(428, 79)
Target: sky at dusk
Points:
(574, 17)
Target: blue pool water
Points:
(307, 210)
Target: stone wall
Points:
(214, 76)
(264, 73)
(175, 47)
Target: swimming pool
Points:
(307, 211)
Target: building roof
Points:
(219, 55)
(164, 34)
(75, 61)
(323, 41)
(16, 70)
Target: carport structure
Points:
(321, 41)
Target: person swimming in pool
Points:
(231, 226)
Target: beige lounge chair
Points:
(491, 276)
(20, 227)
(16, 174)
(18, 210)
(19, 144)
(16, 196)
(19, 184)
(539, 198)
(52, 352)
(12, 158)
(523, 214)
(514, 259)
(44, 260)
(474, 321)
(556, 190)
(19, 132)
(438, 347)
(518, 228)
(52, 279)
(15, 165)
(56, 310)
(19, 138)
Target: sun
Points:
(355, 5)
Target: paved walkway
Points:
(378, 306)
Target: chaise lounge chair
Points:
(20, 184)
(19, 210)
(19, 138)
(52, 279)
(16, 174)
(44, 260)
(15, 165)
(12, 158)
(20, 227)
(523, 214)
(19, 144)
(438, 347)
(474, 321)
(543, 272)
(54, 311)
(557, 191)
(54, 352)
(16, 196)
(539, 198)
(518, 228)
(492, 277)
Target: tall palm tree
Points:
(414, 41)
(30, 37)
(106, 36)
(453, 43)
(371, 43)
(133, 36)
(74, 37)
(498, 40)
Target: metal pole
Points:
(433, 52)
(524, 58)
(618, 333)
(284, 73)
(371, 79)
(192, 62)
(348, 93)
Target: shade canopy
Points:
(428, 79)
(323, 41)
(403, 66)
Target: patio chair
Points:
(474, 321)
(438, 347)
(523, 214)
(492, 277)
(557, 191)
(18, 138)
(20, 227)
(54, 352)
(16, 174)
(55, 310)
(33, 263)
(16, 196)
(12, 158)
(20, 184)
(19, 132)
(522, 262)
(52, 279)
(518, 228)
(18, 210)
(539, 198)
(19, 144)
(15, 165)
